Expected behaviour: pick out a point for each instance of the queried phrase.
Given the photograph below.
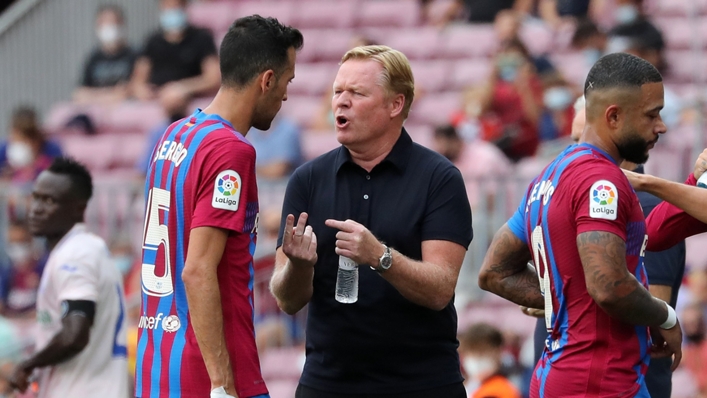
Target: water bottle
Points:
(347, 281)
(702, 182)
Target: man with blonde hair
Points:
(400, 212)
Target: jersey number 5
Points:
(541, 267)
(155, 234)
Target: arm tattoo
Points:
(611, 285)
(505, 271)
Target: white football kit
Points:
(79, 268)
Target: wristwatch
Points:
(385, 261)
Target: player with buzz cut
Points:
(196, 335)
(582, 225)
(80, 305)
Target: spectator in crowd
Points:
(589, 39)
(27, 151)
(507, 27)
(179, 60)
(558, 112)
(511, 103)
(108, 68)
(279, 149)
(22, 280)
(480, 351)
(695, 351)
(345, 201)
(10, 352)
(480, 163)
(475, 11)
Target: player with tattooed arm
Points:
(582, 224)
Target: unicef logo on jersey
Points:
(171, 324)
(604, 195)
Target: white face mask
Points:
(626, 13)
(19, 155)
(109, 34)
(557, 98)
(123, 263)
(19, 253)
(479, 368)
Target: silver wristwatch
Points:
(385, 261)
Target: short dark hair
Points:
(620, 70)
(114, 8)
(481, 335)
(585, 30)
(26, 122)
(446, 131)
(82, 184)
(253, 45)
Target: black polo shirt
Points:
(176, 61)
(383, 343)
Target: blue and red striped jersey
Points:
(588, 353)
(202, 174)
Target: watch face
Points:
(386, 262)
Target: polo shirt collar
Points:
(399, 156)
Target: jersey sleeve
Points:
(224, 184)
(667, 224)
(448, 213)
(77, 278)
(295, 201)
(602, 199)
(517, 222)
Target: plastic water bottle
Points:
(347, 281)
(702, 182)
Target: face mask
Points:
(123, 263)
(479, 368)
(173, 20)
(109, 34)
(626, 13)
(19, 155)
(508, 73)
(557, 98)
(19, 253)
(591, 56)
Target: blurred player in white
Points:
(80, 306)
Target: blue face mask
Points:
(173, 20)
(123, 263)
(626, 14)
(557, 98)
(508, 72)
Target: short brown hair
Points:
(24, 120)
(397, 74)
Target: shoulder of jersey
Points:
(85, 244)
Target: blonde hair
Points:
(397, 74)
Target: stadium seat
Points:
(97, 152)
(432, 76)
(696, 251)
(135, 116)
(469, 72)
(573, 67)
(421, 134)
(315, 143)
(537, 36)
(334, 44)
(683, 66)
(302, 109)
(214, 16)
(132, 148)
(313, 79)
(435, 109)
(465, 41)
(677, 7)
(389, 13)
(415, 43)
(282, 363)
(324, 14)
(282, 10)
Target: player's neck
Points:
(235, 107)
(602, 141)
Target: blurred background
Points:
(496, 81)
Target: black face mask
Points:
(695, 338)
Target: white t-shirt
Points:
(79, 268)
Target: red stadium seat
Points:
(135, 116)
(215, 16)
(315, 143)
(325, 14)
(313, 79)
(96, 152)
(303, 110)
(389, 13)
(415, 43)
(464, 41)
(469, 72)
(435, 109)
(282, 10)
(432, 76)
(282, 363)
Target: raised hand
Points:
(299, 243)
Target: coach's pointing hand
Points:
(356, 242)
(299, 243)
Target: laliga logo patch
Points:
(171, 324)
(227, 189)
(603, 200)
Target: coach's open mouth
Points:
(342, 122)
